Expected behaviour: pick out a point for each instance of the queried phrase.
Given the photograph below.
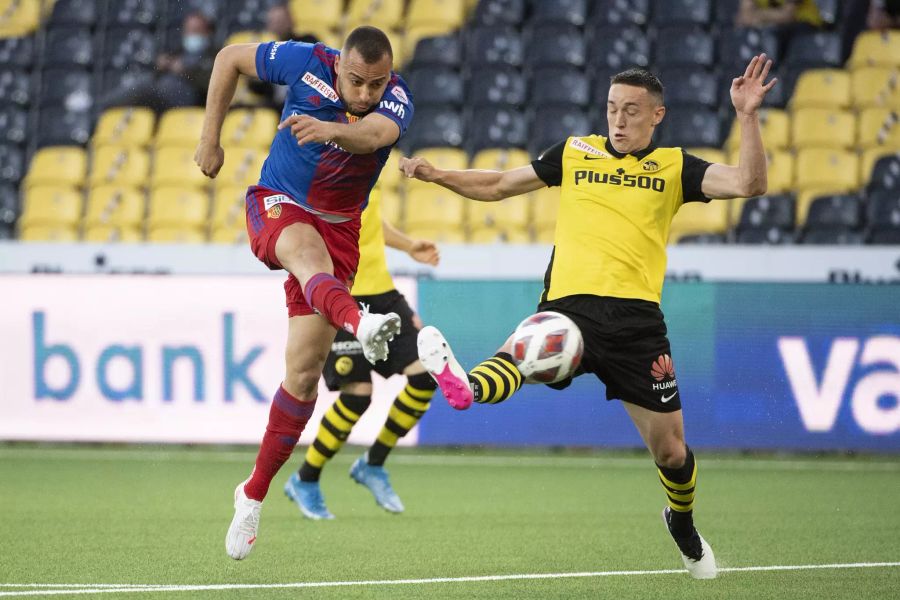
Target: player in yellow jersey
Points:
(346, 370)
(618, 196)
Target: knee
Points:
(671, 454)
(303, 384)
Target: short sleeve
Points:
(693, 170)
(282, 62)
(397, 104)
(548, 165)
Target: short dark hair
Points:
(640, 78)
(370, 42)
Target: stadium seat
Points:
(444, 13)
(63, 165)
(559, 85)
(775, 126)
(833, 237)
(17, 52)
(695, 218)
(244, 14)
(781, 165)
(618, 47)
(229, 208)
(443, 158)
(435, 126)
(822, 88)
(119, 165)
(869, 158)
(442, 50)
(125, 126)
(823, 128)
(688, 12)
(876, 49)
(111, 234)
(884, 217)
(499, 235)
(843, 212)
(67, 46)
(177, 207)
(555, 124)
(690, 86)
(384, 14)
(67, 89)
(227, 235)
(510, 214)
(242, 167)
(48, 233)
(555, 46)
(684, 46)
(500, 159)
(684, 126)
(821, 168)
(545, 207)
(440, 235)
(572, 12)
(247, 37)
(390, 175)
(51, 205)
(124, 47)
(250, 128)
(620, 12)
(712, 155)
(132, 13)
(180, 127)
(9, 205)
(885, 175)
(315, 14)
(878, 127)
(12, 163)
(494, 45)
(174, 165)
(496, 84)
(16, 88)
(115, 206)
(737, 46)
(20, 19)
(496, 127)
(176, 235)
(57, 128)
(873, 87)
(434, 207)
(74, 12)
(436, 85)
(814, 50)
(701, 238)
(499, 12)
(765, 212)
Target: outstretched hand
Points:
(308, 129)
(425, 252)
(748, 90)
(417, 168)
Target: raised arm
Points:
(749, 177)
(231, 61)
(365, 136)
(488, 186)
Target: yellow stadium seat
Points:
(873, 86)
(119, 165)
(512, 213)
(775, 126)
(229, 208)
(114, 206)
(435, 207)
(876, 48)
(878, 127)
(180, 127)
(780, 169)
(824, 168)
(822, 88)
(249, 127)
(445, 158)
(443, 13)
(390, 175)
(128, 126)
(414, 34)
(175, 166)
(51, 205)
(545, 206)
(544, 236)
(242, 167)
(823, 127)
(700, 217)
(438, 234)
(48, 233)
(500, 235)
(500, 159)
(384, 14)
(316, 13)
(112, 233)
(712, 155)
(20, 19)
(392, 207)
(869, 157)
(176, 235)
(248, 36)
(176, 207)
(57, 165)
(229, 235)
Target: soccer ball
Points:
(547, 347)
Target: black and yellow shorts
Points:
(625, 346)
(346, 363)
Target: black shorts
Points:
(346, 363)
(625, 346)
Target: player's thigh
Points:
(663, 433)
(308, 344)
(301, 250)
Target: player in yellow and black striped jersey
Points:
(346, 370)
(617, 199)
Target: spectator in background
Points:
(883, 14)
(764, 13)
(182, 75)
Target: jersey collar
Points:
(639, 154)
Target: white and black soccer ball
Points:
(547, 347)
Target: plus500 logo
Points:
(819, 398)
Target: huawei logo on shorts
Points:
(663, 368)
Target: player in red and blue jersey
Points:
(344, 112)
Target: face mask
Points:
(194, 43)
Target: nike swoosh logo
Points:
(589, 157)
(665, 398)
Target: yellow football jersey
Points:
(615, 211)
(372, 275)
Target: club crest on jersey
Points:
(587, 148)
(398, 92)
(320, 86)
(274, 212)
(650, 165)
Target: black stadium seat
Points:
(573, 12)
(494, 45)
(814, 50)
(436, 85)
(445, 50)
(555, 124)
(67, 89)
(687, 46)
(16, 87)
(555, 45)
(690, 86)
(74, 12)
(726, 12)
(691, 127)
(497, 84)
(243, 15)
(884, 216)
(13, 125)
(12, 163)
(620, 12)
(497, 127)
(499, 12)
(600, 82)
(9, 203)
(559, 86)
(61, 128)
(738, 46)
(885, 174)
(767, 212)
(133, 12)
(435, 126)
(17, 52)
(618, 48)
(702, 238)
(772, 235)
(833, 237)
(124, 47)
(694, 12)
(842, 212)
(69, 46)
(114, 79)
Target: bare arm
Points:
(488, 186)
(422, 251)
(231, 61)
(749, 177)
(365, 136)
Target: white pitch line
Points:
(382, 582)
(475, 460)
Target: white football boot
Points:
(696, 554)
(437, 358)
(242, 531)
(374, 333)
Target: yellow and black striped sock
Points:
(680, 484)
(333, 431)
(495, 379)
(409, 406)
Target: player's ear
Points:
(658, 115)
(337, 63)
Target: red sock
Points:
(287, 418)
(332, 300)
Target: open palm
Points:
(748, 90)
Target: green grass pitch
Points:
(78, 520)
